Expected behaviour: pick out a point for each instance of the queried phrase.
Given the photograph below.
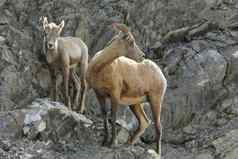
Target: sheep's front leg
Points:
(55, 85)
(66, 70)
(66, 86)
(84, 85)
(84, 88)
(114, 108)
(115, 98)
(102, 102)
(53, 88)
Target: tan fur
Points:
(67, 53)
(126, 81)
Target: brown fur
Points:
(125, 81)
(67, 53)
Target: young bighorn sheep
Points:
(116, 73)
(66, 53)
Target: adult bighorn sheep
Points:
(66, 53)
(116, 73)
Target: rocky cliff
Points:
(200, 110)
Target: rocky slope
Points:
(200, 110)
(48, 130)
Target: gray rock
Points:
(122, 135)
(150, 154)
(189, 130)
(226, 145)
(53, 121)
(173, 152)
(64, 134)
(202, 73)
(11, 124)
(2, 39)
(232, 155)
(205, 155)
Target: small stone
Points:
(26, 130)
(2, 40)
(150, 154)
(122, 136)
(221, 122)
(189, 130)
(41, 126)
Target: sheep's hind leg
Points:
(84, 89)
(155, 103)
(143, 122)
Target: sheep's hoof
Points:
(113, 143)
(105, 143)
(81, 111)
(129, 141)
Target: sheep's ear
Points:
(45, 22)
(61, 26)
(121, 27)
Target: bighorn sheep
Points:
(116, 73)
(66, 53)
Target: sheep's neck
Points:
(106, 57)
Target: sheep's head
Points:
(124, 43)
(52, 32)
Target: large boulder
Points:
(53, 121)
(47, 120)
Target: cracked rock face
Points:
(199, 114)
